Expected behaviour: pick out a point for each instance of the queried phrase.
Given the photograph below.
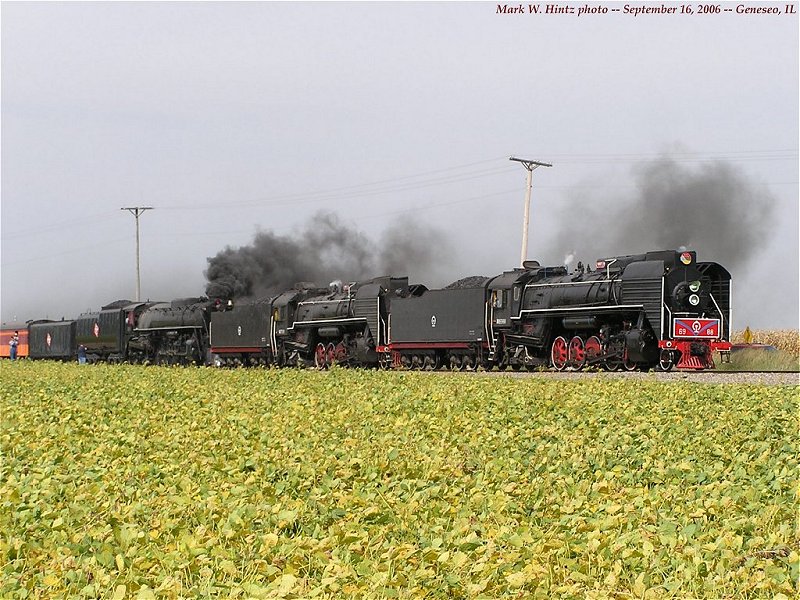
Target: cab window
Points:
(499, 298)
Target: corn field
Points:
(787, 340)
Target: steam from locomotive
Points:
(324, 250)
(715, 207)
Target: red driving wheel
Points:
(559, 353)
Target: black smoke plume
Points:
(325, 250)
(714, 209)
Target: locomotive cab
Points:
(286, 342)
(504, 297)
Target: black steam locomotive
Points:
(659, 309)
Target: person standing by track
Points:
(13, 343)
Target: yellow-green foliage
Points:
(787, 358)
(759, 360)
(132, 482)
(787, 340)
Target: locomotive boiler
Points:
(169, 333)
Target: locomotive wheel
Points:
(665, 361)
(430, 363)
(559, 353)
(455, 363)
(592, 349)
(330, 354)
(416, 362)
(577, 353)
(628, 364)
(320, 356)
(469, 364)
(612, 364)
(341, 353)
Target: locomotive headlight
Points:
(694, 299)
(694, 286)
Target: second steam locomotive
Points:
(654, 310)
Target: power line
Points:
(407, 183)
(70, 223)
(363, 190)
(413, 209)
(334, 194)
(720, 153)
(61, 253)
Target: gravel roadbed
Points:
(760, 378)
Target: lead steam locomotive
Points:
(654, 310)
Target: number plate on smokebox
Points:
(695, 328)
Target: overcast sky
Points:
(233, 118)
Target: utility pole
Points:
(530, 165)
(136, 211)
